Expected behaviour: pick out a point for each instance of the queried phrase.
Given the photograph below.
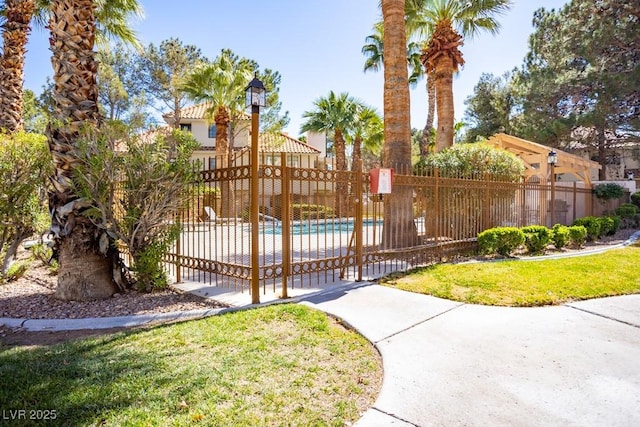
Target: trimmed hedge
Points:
(560, 236)
(501, 240)
(635, 199)
(627, 210)
(592, 225)
(577, 235)
(536, 237)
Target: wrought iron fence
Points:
(317, 226)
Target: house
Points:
(299, 154)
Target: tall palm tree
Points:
(333, 113)
(111, 16)
(85, 255)
(373, 51)
(221, 84)
(447, 23)
(15, 31)
(367, 130)
(399, 229)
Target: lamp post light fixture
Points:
(255, 98)
(552, 161)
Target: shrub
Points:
(16, 270)
(149, 184)
(25, 165)
(473, 161)
(627, 210)
(592, 224)
(609, 191)
(43, 253)
(577, 235)
(536, 238)
(635, 199)
(609, 225)
(560, 236)
(308, 211)
(501, 240)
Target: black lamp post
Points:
(552, 161)
(255, 98)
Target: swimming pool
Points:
(329, 227)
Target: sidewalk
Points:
(447, 363)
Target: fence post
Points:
(358, 219)
(436, 201)
(486, 214)
(285, 224)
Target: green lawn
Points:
(279, 365)
(528, 283)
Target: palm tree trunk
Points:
(14, 36)
(227, 196)
(444, 102)
(87, 258)
(356, 156)
(399, 229)
(341, 166)
(425, 140)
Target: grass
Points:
(528, 283)
(279, 365)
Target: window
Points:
(212, 163)
(212, 131)
(185, 127)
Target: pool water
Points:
(318, 227)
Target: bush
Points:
(635, 199)
(25, 166)
(609, 191)
(501, 240)
(609, 225)
(473, 161)
(560, 236)
(592, 224)
(536, 238)
(149, 184)
(577, 235)
(308, 211)
(627, 210)
(16, 270)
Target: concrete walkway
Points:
(452, 364)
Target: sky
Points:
(314, 44)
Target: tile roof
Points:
(283, 143)
(194, 112)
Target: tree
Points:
(447, 22)
(373, 51)
(24, 168)
(366, 130)
(112, 19)
(399, 230)
(89, 265)
(580, 81)
(162, 70)
(333, 114)
(489, 108)
(120, 90)
(34, 114)
(15, 31)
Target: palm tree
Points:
(373, 50)
(16, 17)
(85, 255)
(334, 113)
(446, 23)
(367, 130)
(15, 32)
(399, 229)
(221, 84)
